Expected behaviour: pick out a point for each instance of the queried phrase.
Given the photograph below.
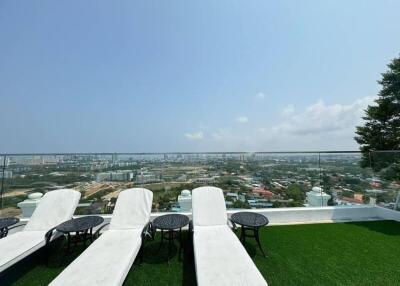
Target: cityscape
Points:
(249, 180)
(199, 143)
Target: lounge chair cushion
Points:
(54, 208)
(106, 262)
(209, 207)
(19, 245)
(132, 209)
(222, 260)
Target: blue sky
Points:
(142, 76)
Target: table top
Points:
(8, 221)
(80, 224)
(249, 219)
(170, 221)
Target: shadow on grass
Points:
(251, 246)
(45, 264)
(387, 227)
(156, 252)
(38, 259)
(14, 273)
(189, 271)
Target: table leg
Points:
(170, 237)
(162, 240)
(91, 234)
(68, 242)
(3, 232)
(84, 237)
(243, 235)
(180, 242)
(76, 239)
(258, 240)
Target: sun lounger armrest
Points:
(49, 234)
(18, 225)
(97, 233)
(148, 231)
(232, 225)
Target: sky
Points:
(182, 76)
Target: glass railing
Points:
(249, 180)
(384, 185)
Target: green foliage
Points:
(381, 130)
(351, 180)
(296, 193)
(13, 201)
(240, 205)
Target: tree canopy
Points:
(381, 128)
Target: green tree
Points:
(296, 193)
(381, 130)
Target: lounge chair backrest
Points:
(132, 209)
(54, 208)
(208, 205)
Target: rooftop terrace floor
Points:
(356, 253)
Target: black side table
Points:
(5, 223)
(250, 221)
(81, 226)
(172, 225)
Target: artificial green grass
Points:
(358, 253)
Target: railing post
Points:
(2, 182)
(397, 204)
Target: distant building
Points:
(7, 174)
(317, 197)
(185, 201)
(359, 197)
(204, 181)
(182, 178)
(114, 158)
(233, 196)
(229, 204)
(277, 185)
(349, 201)
(122, 176)
(260, 203)
(262, 192)
(100, 177)
(146, 177)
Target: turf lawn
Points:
(358, 253)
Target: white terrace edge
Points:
(304, 215)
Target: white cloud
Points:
(288, 110)
(321, 118)
(221, 134)
(242, 119)
(261, 95)
(195, 135)
(319, 126)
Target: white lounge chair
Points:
(220, 258)
(54, 208)
(108, 259)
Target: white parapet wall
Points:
(307, 215)
(303, 215)
(388, 214)
(281, 216)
